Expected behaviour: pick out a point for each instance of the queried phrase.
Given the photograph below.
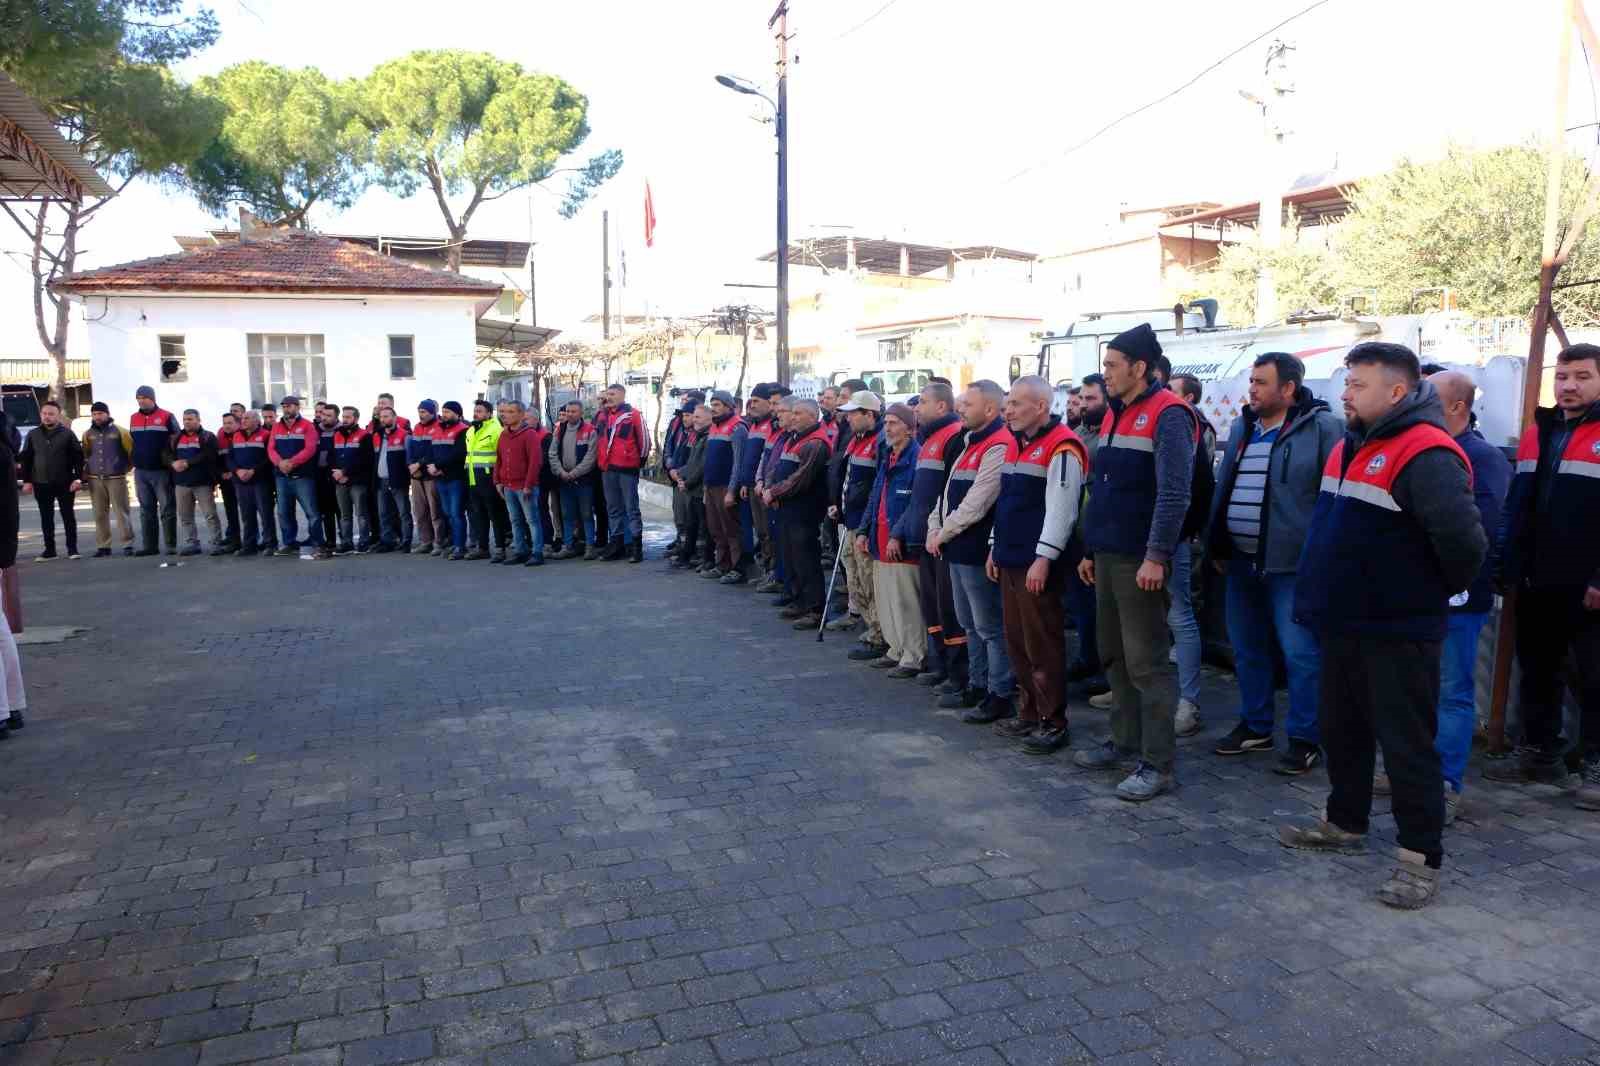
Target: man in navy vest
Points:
(850, 487)
(1138, 501)
(799, 492)
(958, 533)
(938, 447)
(725, 444)
(1550, 555)
(1395, 535)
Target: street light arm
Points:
(739, 85)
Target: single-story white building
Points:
(290, 313)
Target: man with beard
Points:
(1085, 668)
(427, 514)
(293, 450)
(448, 466)
(1396, 533)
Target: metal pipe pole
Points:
(605, 261)
(782, 123)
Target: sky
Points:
(927, 120)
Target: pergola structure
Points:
(36, 162)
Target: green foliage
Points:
(43, 33)
(467, 124)
(1305, 275)
(288, 139)
(1472, 221)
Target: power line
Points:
(866, 20)
(1109, 126)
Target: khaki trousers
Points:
(900, 612)
(858, 568)
(1134, 639)
(109, 495)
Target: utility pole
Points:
(605, 260)
(780, 19)
(533, 292)
(1276, 86)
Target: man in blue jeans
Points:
(1469, 609)
(293, 451)
(958, 532)
(1266, 492)
(572, 457)
(448, 467)
(624, 448)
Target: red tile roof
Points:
(290, 261)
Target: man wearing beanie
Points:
(726, 440)
(1137, 509)
(761, 430)
(428, 521)
(448, 466)
(152, 430)
(107, 458)
(799, 492)
(884, 532)
(673, 455)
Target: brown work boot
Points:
(1324, 836)
(1413, 883)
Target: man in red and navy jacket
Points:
(939, 436)
(762, 429)
(152, 430)
(293, 450)
(852, 474)
(447, 465)
(1138, 501)
(726, 444)
(350, 467)
(391, 481)
(194, 475)
(251, 467)
(1396, 533)
(624, 447)
(1549, 553)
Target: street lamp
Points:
(780, 108)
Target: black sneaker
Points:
(1047, 740)
(102, 553)
(287, 552)
(932, 677)
(1243, 741)
(955, 701)
(129, 552)
(809, 622)
(1015, 729)
(1301, 758)
(866, 653)
(994, 708)
(1529, 763)
(948, 687)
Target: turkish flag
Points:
(649, 218)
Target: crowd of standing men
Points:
(498, 487)
(1363, 553)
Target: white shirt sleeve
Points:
(1063, 486)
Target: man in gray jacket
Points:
(572, 458)
(1266, 493)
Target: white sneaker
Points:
(1188, 721)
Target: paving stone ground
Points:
(389, 810)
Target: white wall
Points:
(124, 347)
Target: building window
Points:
(402, 358)
(174, 360)
(894, 349)
(285, 364)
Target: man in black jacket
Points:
(194, 477)
(52, 469)
(1395, 534)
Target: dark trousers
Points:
(947, 641)
(1080, 605)
(230, 508)
(488, 511)
(1383, 691)
(723, 522)
(328, 507)
(694, 539)
(1036, 644)
(50, 498)
(394, 511)
(255, 513)
(803, 554)
(680, 512)
(1551, 623)
(602, 516)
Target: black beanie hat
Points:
(452, 405)
(99, 406)
(1139, 344)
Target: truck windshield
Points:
(21, 408)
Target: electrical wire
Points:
(1109, 126)
(866, 20)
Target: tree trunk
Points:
(53, 335)
(744, 361)
(453, 253)
(536, 393)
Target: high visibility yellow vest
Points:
(482, 445)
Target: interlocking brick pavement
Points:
(392, 810)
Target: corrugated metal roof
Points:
(41, 371)
(36, 162)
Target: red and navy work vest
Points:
(1122, 499)
(152, 432)
(249, 450)
(1552, 541)
(622, 444)
(719, 451)
(935, 457)
(810, 504)
(761, 432)
(971, 545)
(860, 468)
(1368, 566)
(389, 449)
(1019, 511)
(298, 440)
(190, 447)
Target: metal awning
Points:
(887, 256)
(499, 335)
(36, 162)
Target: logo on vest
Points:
(1141, 421)
(1377, 463)
(1596, 448)
(1040, 451)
